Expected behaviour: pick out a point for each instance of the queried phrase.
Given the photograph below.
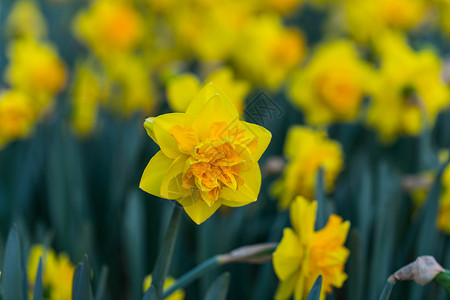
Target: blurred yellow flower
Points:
(109, 27)
(177, 295)
(35, 69)
(409, 91)
(132, 82)
(26, 21)
(268, 52)
(209, 29)
(307, 151)
(208, 156)
(57, 275)
(369, 18)
(17, 116)
(331, 87)
(182, 89)
(87, 93)
(303, 254)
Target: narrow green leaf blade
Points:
(81, 288)
(12, 273)
(314, 293)
(219, 288)
(38, 291)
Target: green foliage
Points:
(219, 289)
(314, 293)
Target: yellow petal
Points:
(288, 255)
(154, 174)
(200, 100)
(299, 292)
(197, 209)
(286, 288)
(171, 184)
(303, 217)
(181, 91)
(185, 137)
(161, 126)
(262, 135)
(148, 124)
(246, 193)
(217, 109)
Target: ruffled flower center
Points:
(215, 161)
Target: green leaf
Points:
(319, 194)
(219, 288)
(314, 293)
(102, 283)
(150, 294)
(443, 279)
(13, 279)
(38, 291)
(81, 287)
(165, 253)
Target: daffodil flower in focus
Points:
(303, 254)
(208, 156)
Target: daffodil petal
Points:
(203, 96)
(286, 288)
(259, 134)
(303, 217)
(197, 209)
(216, 110)
(287, 256)
(148, 125)
(161, 126)
(246, 193)
(154, 173)
(171, 184)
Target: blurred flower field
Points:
(290, 149)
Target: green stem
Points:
(193, 274)
(165, 254)
(387, 290)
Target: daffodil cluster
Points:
(34, 74)
(57, 274)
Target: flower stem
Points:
(387, 290)
(193, 274)
(254, 254)
(165, 254)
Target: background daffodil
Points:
(303, 254)
(208, 156)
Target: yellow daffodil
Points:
(109, 27)
(208, 156)
(268, 52)
(182, 89)
(369, 18)
(409, 92)
(303, 254)
(26, 21)
(17, 116)
(57, 275)
(307, 151)
(177, 295)
(35, 69)
(331, 87)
